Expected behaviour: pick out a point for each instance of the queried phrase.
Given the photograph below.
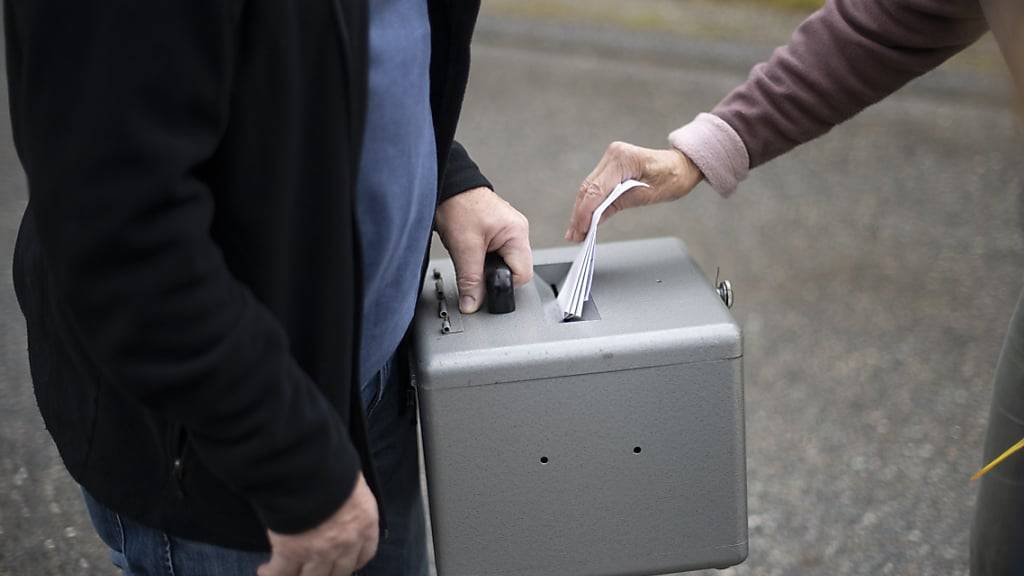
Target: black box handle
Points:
(501, 295)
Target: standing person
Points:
(230, 204)
(845, 57)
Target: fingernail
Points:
(466, 304)
(568, 234)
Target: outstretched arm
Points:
(845, 57)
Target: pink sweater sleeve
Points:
(843, 58)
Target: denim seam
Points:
(120, 529)
(381, 376)
(385, 375)
(167, 554)
(375, 401)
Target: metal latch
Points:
(450, 324)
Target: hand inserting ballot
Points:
(669, 174)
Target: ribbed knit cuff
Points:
(716, 149)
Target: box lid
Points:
(650, 306)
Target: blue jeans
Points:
(142, 551)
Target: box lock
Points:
(725, 292)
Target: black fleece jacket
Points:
(188, 263)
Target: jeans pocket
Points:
(108, 527)
(185, 557)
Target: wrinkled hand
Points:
(339, 546)
(476, 222)
(669, 173)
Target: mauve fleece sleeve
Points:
(842, 59)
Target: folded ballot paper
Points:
(575, 289)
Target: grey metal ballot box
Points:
(610, 445)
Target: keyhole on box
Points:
(543, 459)
(637, 450)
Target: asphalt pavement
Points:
(875, 272)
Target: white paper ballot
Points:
(575, 289)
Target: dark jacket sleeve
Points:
(461, 174)
(119, 105)
(845, 57)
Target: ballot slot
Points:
(546, 278)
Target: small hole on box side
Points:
(543, 459)
(637, 450)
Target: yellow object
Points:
(996, 462)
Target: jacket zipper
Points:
(344, 42)
(179, 440)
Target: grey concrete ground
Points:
(875, 272)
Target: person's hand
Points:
(339, 546)
(669, 173)
(476, 222)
